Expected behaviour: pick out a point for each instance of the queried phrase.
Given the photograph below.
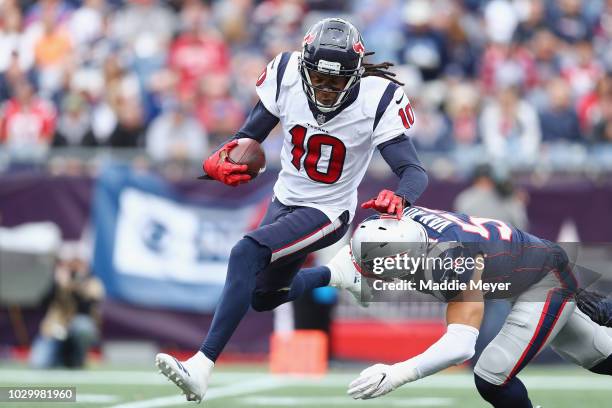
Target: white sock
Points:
(341, 269)
(200, 363)
(334, 278)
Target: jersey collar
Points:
(324, 117)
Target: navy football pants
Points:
(263, 265)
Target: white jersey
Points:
(323, 164)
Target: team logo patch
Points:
(359, 48)
(262, 76)
(309, 38)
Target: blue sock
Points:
(246, 260)
(304, 280)
(512, 394)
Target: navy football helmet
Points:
(332, 47)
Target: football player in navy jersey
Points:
(335, 109)
(534, 274)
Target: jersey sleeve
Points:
(269, 82)
(394, 115)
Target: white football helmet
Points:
(385, 237)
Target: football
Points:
(249, 152)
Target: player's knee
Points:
(494, 365)
(248, 248)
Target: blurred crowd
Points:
(506, 78)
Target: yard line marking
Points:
(214, 393)
(270, 400)
(586, 381)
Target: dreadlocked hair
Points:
(379, 70)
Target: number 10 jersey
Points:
(323, 162)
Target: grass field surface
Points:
(239, 387)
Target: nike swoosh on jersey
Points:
(400, 99)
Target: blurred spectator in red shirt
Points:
(504, 64)
(220, 114)
(582, 70)
(27, 122)
(589, 107)
(198, 50)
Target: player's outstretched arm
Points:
(457, 345)
(400, 154)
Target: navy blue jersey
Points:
(509, 254)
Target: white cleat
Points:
(344, 275)
(190, 376)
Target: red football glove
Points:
(219, 168)
(386, 202)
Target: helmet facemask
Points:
(330, 68)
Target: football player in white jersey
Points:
(335, 109)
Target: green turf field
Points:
(554, 387)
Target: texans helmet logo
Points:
(359, 48)
(309, 38)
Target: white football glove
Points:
(381, 379)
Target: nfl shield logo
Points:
(321, 118)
